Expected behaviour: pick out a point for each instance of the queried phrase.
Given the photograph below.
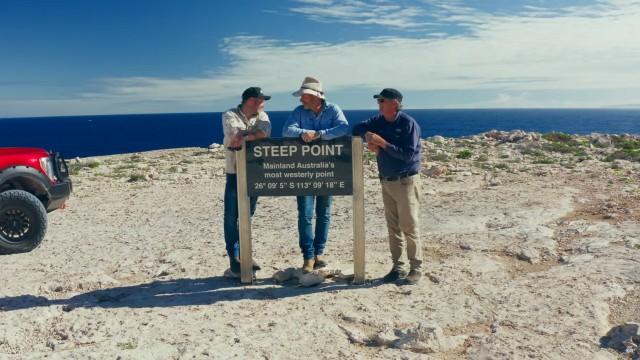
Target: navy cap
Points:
(254, 92)
(389, 93)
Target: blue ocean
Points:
(112, 134)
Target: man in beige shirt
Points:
(246, 122)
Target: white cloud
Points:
(589, 48)
(389, 14)
(513, 53)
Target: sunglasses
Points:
(380, 100)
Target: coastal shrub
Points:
(443, 157)
(464, 154)
(482, 158)
(573, 148)
(369, 156)
(531, 150)
(135, 177)
(564, 144)
(75, 167)
(124, 167)
(558, 137)
(624, 154)
(502, 166)
(544, 160)
(625, 143)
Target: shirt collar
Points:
(322, 109)
(241, 114)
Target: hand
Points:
(373, 148)
(375, 139)
(236, 142)
(309, 136)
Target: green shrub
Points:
(626, 143)
(624, 154)
(531, 151)
(443, 157)
(75, 167)
(544, 160)
(558, 137)
(369, 156)
(135, 177)
(464, 154)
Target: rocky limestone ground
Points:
(531, 242)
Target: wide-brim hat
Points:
(310, 86)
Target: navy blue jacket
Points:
(402, 155)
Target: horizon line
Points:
(268, 111)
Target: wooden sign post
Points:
(290, 167)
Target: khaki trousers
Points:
(401, 209)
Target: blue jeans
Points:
(231, 230)
(310, 244)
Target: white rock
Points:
(385, 337)
(285, 275)
(428, 339)
(354, 336)
(311, 279)
(230, 274)
(435, 171)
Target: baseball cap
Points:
(389, 93)
(254, 92)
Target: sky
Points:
(79, 57)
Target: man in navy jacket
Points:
(394, 137)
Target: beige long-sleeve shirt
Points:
(233, 121)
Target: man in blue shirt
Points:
(395, 139)
(314, 119)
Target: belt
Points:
(396, 178)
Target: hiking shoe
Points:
(320, 262)
(307, 266)
(234, 265)
(413, 277)
(254, 265)
(394, 275)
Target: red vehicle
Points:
(33, 182)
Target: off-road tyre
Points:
(23, 222)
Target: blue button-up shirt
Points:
(330, 123)
(402, 154)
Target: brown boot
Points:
(307, 266)
(320, 262)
